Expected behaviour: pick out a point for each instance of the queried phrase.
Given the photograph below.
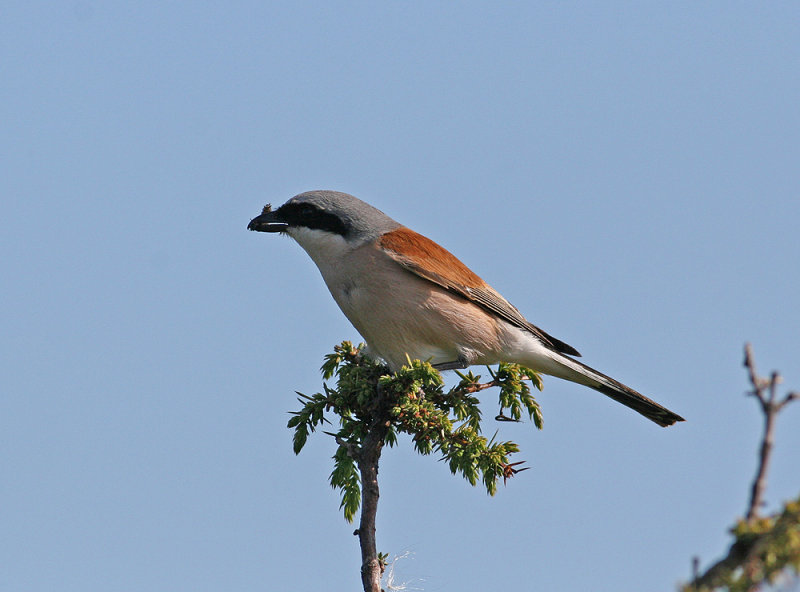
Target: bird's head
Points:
(322, 216)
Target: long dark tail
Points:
(576, 371)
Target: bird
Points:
(410, 298)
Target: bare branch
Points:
(793, 396)
(759, 384)
(765, 390)
(744, 553)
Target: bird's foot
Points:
(459, 364)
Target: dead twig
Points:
(744, 553)
(765, 391)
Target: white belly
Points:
(396, 312)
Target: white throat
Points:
(327, 249)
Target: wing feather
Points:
(441, 267)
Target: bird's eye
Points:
(311, 216)
(307, 210)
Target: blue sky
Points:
(625, 173)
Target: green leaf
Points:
(366, 396)
(345, 477)
(300, 438)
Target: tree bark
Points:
(765, 390)
(368, 459)
(760, 480)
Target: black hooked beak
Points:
(268, 221)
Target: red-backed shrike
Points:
(408, 296)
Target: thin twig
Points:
(764, 389)
(353, 450)
(481, 386)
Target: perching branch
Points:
(373, 406)
(372, 566)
